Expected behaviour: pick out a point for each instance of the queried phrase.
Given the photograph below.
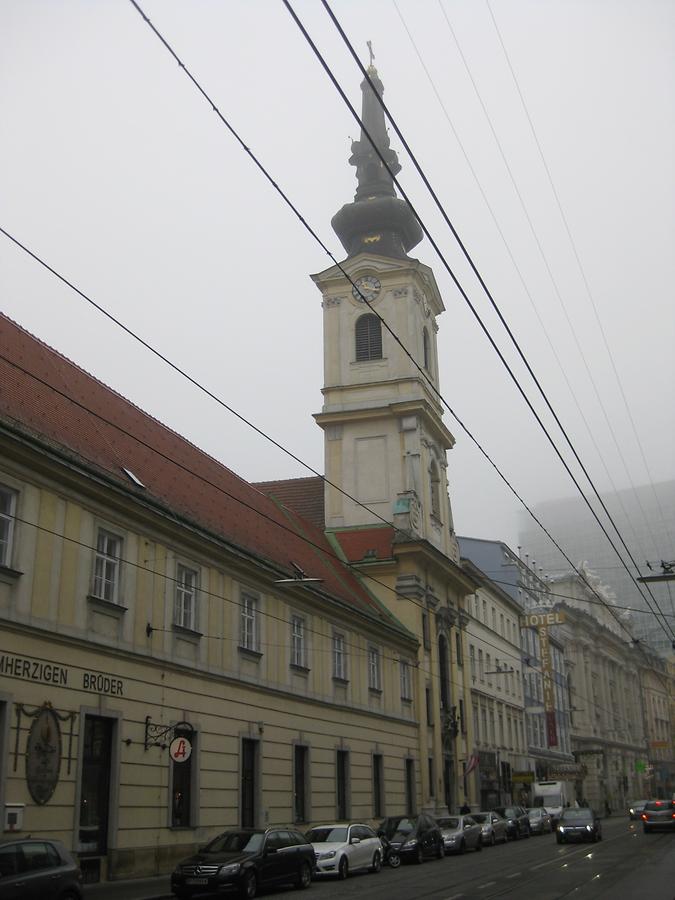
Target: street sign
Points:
(180, 749)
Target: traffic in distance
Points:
(244, 862)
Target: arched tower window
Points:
(435, 485)
(444, 671)
(427, 351)
(368, 335)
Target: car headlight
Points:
(411, 843)
(232, 869)
(561, 828)
(632, 812)
(589, 828)
(327, 854)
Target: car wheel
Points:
(527, 832)
(516, 835)
(440, 850)
(419, 855)
(461, 847)
(394, 859)
(249, 885)
(343, 868)
(479, 844)
(304, 878)
(493, 839)
(377, 862)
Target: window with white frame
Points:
(248, 636)
(7, 513)
(339, 656)
(406, 680)
(481, 666)
(298, 642)
(107, 567)
(185, 609)
(374, 669)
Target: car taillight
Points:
(644, 816)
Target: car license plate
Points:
(196, 881)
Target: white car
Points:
(345, 847)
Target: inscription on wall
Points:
(50, 673)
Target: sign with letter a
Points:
(180, 749)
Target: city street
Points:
(626, 864)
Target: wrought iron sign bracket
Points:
(162, 735)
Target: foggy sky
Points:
(120, 176)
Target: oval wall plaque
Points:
(43, 756)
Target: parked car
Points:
(35, 867)
(540, 821)
(517, 821)
(343, 848)
(658, 814)
(413, 837)
(493, 827)
(245, 860)
(461, 833)
(582, 824)
(636, 809)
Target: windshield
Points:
(236, 842)
(479, 817)
(401, 825)
(448, 823)
(327, 835)
(577, 814)
(509, 812)
(548, 800)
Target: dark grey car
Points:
(582, 824)
(32, 868)
(517, 821)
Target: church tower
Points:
(385, 441)
(386, 448)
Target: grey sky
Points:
(117, 172)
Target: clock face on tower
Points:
(368, 287)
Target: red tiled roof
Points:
(304, 495)
(107, 432)
(366, 543)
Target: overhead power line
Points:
(446, 265)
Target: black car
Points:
(582, 824)
(413, 837)
(33, 867)
(244, 860)
(517, 821)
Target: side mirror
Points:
(355, 840)
(270, 850)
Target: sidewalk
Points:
(157, 888)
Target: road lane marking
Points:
(487, 884)
(515, 875)
(455, 897)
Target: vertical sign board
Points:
(541, 622)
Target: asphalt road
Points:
(625, 865)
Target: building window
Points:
(410, 792)
(298, 646)
(481, 666)
(378, 785)
(183, 773)
(300, 781)
(426, 630)
(462, 721)
(472, 661)
(341, 776)
(430, 708)
(406, 681)
(249, 622)
(430, 769)
(488, 663)
(7, 513)
(339, 657)
(476, 726)
(444, 672)
(107, 567)
(459, 656)
(374, 669)
(435, 486)
(185, 613)
(368, 335)
(426, 350)
(501, 624)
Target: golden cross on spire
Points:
(372, 55)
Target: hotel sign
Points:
(536, 620)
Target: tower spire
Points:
(377, 219)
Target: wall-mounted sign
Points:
(31, 669)
(180, 749)
(43, 755)
(536, 620)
